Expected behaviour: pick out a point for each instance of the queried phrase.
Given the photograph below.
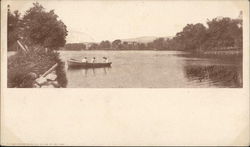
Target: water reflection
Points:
(219, 75)
(91, 71)
(84, 72)
(104, 71)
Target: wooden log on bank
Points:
(42, 79)
(50, 70)
(22, 47)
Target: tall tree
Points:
(13, 22)
(191, 37)
(224, 32)
(158, 43)
(43, 28)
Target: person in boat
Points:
(93, 60)
(84, 60)
(105, 60)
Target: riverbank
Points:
(26, 70)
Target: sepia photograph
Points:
(72, 44)
(124, 73)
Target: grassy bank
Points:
(24, 68)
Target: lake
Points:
(153, 69)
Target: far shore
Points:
(212, 52)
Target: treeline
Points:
(74, 46)
(119, 45)
(220, 33)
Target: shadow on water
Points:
(91, 71)
(219, 75)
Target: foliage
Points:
(44, 28)
(224, 32)
(43, 33)
(191, 37)
(221, 33)
(37, 27)
(158, 44)
(105, 45)
(13, 22)
(38, 62)
(116, 44)
(93, 46)
(60, 72)
(75, 46)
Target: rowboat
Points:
(79, 64)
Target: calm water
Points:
(152, 69)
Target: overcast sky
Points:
(108, 20)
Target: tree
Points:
(191, 37)
(75, 46)
(13, 21)
(116, 44)
(94, 46)
(43, 28)
(124, 45)
(224, 32)
(158, 43)
(141, 46)
(105, 45)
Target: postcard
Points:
(127, 72)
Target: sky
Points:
(94, 21)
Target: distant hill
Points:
(144, 39)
